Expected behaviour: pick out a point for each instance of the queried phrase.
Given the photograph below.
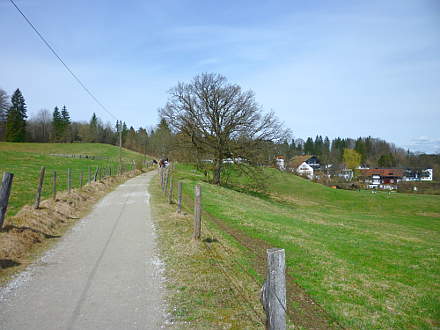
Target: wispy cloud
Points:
(425, 144)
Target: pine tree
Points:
(16, 119)
(318, 145)
(124, 132)
(66, 124)
(309, 146)
(361, 149)
(93, 128)
(326, 148)
(57, 125)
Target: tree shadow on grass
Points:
(8, 263)
(210, 240)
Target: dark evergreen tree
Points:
(66, 124)
(93, 129)
(16, 119)
(309, 147)
(318, 146)
(65, 116)
(57, 125)
(360, 147)
(326, 146)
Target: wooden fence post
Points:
(197, 212)
(165, 187)
(90, 176)
(80, 180)
(5, 191)
(54, 185)
(273, 292)
(39, 188)
(179, 197)
(170, 192)
(69, 181)
(96, 174)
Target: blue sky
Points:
(336, 68)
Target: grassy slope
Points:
(26, 159)
(205, 290)
(371, 260)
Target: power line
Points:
(62, 62)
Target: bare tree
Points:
(4, 105)
(220, 119)
(39, 126)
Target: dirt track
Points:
(102, 275)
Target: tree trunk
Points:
(217, 171)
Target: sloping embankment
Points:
(31, 231)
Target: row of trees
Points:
(373, 152)
(57, 126)
(207, 119)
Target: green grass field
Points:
(370, 260)
(26, 159)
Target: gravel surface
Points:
(104, 273)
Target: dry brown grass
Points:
(31, 231)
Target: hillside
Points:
(26, 159)
(370, 260)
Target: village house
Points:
(305, 165)
(280, 163)
(382, 178)
(418, 175)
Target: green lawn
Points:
(370, 260)
(26, 159)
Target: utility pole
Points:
(120, 144)
(145, 151)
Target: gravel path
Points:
(103, 274)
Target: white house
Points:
(418, 175)
(280, 163)
(305, 170)
(304, 165)
(426, 175)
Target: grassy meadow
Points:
(367, 260)
(26, 159)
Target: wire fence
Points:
(57, 178)
(223, 264)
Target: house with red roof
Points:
(382, 178)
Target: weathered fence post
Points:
(69, 180)
(90, 176)
(179, 197)
(5, 191)
(197, 212)
(170, 192)
(54, 185)
(96, 174)
(80, 180)
(39, 188)
(273, 292)
(165, 187)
